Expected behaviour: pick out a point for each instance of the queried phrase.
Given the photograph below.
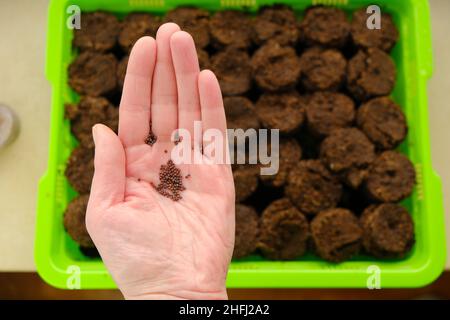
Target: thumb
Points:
(108, 184)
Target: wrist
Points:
(180, 295)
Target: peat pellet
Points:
(383, 38)
(74, 221)
(121, 71)
(322, 69)
(195, 21)
(284, 231)
(93, 74)
(370, 73)
(240, 113)
(288, 155)
(312, 187)
(245, 181)
(283, 111)
(88, 112)
(391, 177)
(388, 230)
(233, 70)
(275, 23)
(247, 230)
(137, 25)
(231, 28)
(337, 234)
(275, 67)
(325, 27)
(203, 59)
(349, 152)
(98, 32)
(383, 121)
(80, 169)
(327, 111)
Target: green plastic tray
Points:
(56, 253)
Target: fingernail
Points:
(95, 133)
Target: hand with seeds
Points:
(163, 230)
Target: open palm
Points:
(153, 246)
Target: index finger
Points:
(134, 111)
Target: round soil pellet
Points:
(284, 231)
(349, 153)
(383, 122)
(388, 230)
(363, 37)
(391, 177)
(88, 112)
(98, 32)
(275, 23)
(231, 28)
(283, 111)
(247, 230)
(327, 111)
(245, 181)
(137, 25)
(121, 71)
(93, 74)
(288, 155)
(312, 187)
(322, 69)
(370, 74)
(240, 113)
(203, 59)
(275, 68)
(325, 27)
(74, 221)
(195, 21)
(233, 70)
(80, 169)
(337, 234)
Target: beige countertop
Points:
(24, 88)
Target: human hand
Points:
(154, 247)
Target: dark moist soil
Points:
(275, 67)
(240, 113)
(283, 111)
(322, 69)
(170, 181)
(327, 111)
(93, 74)
(288, 155)
(247, 231)
(336, 234)
(98, 32)
(275, 23)
(74, 221)
(232, 68)
(383, 122)
(284, 231)
(349, 153)
(135, 26)
(80, 169)
(231, 28)
(88, 112)
(370, 74)
(363, 37)
(245, 181)
(312, 187)
(388, 230)
(391, 177)
(192, 20)
(121, 71)
(325, 27)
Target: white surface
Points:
(24, 88)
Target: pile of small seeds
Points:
(170, 181)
